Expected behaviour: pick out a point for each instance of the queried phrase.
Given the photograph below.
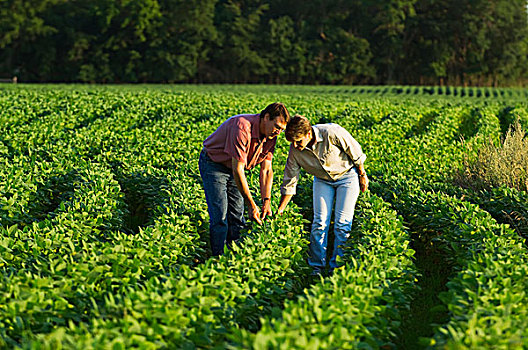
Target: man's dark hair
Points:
(275, 110)
(298, 127)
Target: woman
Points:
(335, 158)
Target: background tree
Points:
(383, 23)
(182, 40)
(25, 37)
(236, 56)
(507, 57)
(462, 42)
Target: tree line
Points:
(447, 42)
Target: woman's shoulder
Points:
(329, 129)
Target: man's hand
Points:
(363, 182)
(266, 208)
(254, 214)
(242, 185)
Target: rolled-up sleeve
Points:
(291, 175)
(269, 156)
(350, 146)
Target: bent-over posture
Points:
(335, 159)
(240, 143)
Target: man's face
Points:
(272, 128)
(301, 142)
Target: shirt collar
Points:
(255, 126)
(317, 132)
(318, 135)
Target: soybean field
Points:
(104, 224)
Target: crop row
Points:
(506, 205)
(486, 256)
(371, 93)
(373, 286)
(145, 154)
(197, 306)
(490, 264)
(360, 305)
(111, 177)
(426, 137)
(93, 206)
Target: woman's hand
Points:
(363, 182)
(285, 199)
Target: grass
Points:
(505, 164)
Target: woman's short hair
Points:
(298, 127)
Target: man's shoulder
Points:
(244, 118)
(243, 121)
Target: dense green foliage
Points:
(439, 42)
(103, 224)
(359, 306)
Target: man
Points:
(240, 143)
(335, 158)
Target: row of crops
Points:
(103, 225)
(421, 92)
(437, 91)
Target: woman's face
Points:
(300, 143)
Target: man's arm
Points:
(241, 182)
(266, 181)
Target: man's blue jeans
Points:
(345, 191)
(225, 203)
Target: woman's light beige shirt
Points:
(333, 154)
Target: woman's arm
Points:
(363, 178)
(285, 199)
(289, 182)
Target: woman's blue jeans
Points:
(345, 191)
(225, 203)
